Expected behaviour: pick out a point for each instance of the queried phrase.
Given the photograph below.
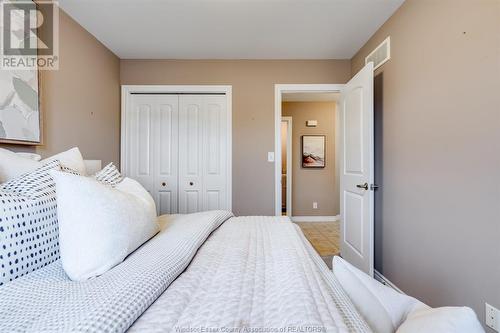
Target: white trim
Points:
(279, 89)
(385, 281)
(289, 174)
(315, 218)
(127, 90)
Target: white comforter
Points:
(250, 274)
(254, 274)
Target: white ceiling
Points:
(310, 97)
(232, 29)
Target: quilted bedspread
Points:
(254, 274)
(47, 301)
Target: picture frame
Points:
(21, 117)
(313, 151)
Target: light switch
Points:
(270, 156)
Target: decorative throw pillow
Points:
(100, 225)
(383, 308)
(70, 159)
(28, 224)
(13, 165)
(35, 184)
(69, 170)
(443, 320)
(109, 175)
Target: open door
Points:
(356, 171)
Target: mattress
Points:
(203, 272)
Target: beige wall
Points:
(438, 225)
(81, 101)
(313, 185)
(253, 110)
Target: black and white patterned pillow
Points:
(29, 234)
(69, 170)
(34, 184)
(109, 175)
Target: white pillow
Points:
(70, 159)
(383, 308)
(31, 156)
(442, 320)
(13, 165)
(100, 225)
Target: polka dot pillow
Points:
(29, 235)
(34, 184)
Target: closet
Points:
(176, 146)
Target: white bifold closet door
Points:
(202, 153)
(176, 148)
(153, 146)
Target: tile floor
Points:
(324, 237)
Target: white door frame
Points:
(279, 89)
(289, 145)
(128, 90)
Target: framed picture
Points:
(313, 151)
(20, 115)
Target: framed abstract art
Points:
(20, 114)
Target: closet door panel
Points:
(177, 149)
(214, 150)
(139, 149)
(166, 153)
(144, 139)
(190, 153)
(152, 148)
(165, 202)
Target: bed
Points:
(92, 256)
(207, 271)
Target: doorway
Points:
(354, 123)
(308, 174)
(301, 93)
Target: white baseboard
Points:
(315, 218)
(385, 281)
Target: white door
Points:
(176, 147)
(202, 153)
(166, 145)
(356, 170)
(214, 150)
(190, 153)
(152, 147)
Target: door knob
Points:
(191, 183)
(163, 184)
(363, 186)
